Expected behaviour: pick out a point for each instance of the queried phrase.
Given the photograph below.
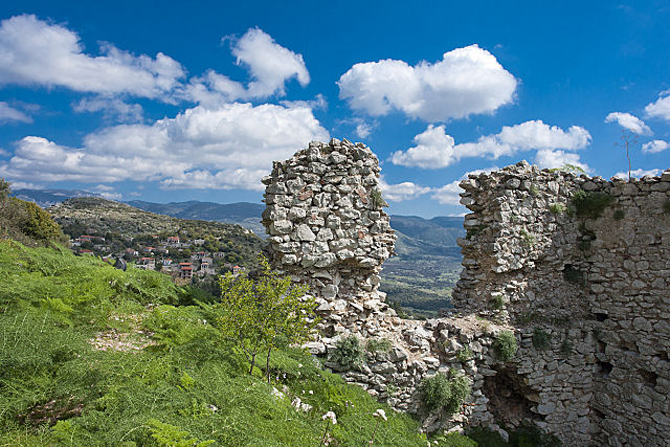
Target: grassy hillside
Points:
(116, 220)
(90, 355)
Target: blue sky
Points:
(155, 101)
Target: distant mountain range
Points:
(245, 214)
(48, 197)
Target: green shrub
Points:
(376, 199)
(534, 191)
(541, 339)
(591, 204)
(453, 440)
(567, 346)
(619, 214)
(505, 345)
(443, 391)
(378, 345)
(497, 302)
(464, 354)
(557, 208)
(349, 353)
(528, 239)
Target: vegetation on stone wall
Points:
(349, 353)
(444, 391)
(591, 205)
(505, 345)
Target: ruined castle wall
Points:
(588, 295)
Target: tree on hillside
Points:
(259, 314)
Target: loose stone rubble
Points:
(586, 297)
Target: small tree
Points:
(628, 140)
(258, 314)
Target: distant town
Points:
(182, 259)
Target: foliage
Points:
(444, 391)
(378, 345)
(567, 347)
(188, 386)
(258, 313)
(453, 440)
(541, 339)
(464, 354)
(570, 169)
(26, 222)
(349, 353)
(557, 208)
(376, 199)
(505, 345)
(533, 190)
(172, 436)
(497, 302)
(591, 205)
(619, 214)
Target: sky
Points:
(173, 101)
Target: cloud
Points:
(547, 158)
(269, 64)
(34, 52)
(655, 146)
(660, 108)
(402, 191)
(9, 113)
(435, 149)
(629, 122)
(466, 81)
(450, 194)
(639, 173)
(111, 108)
(224, 148)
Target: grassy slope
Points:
(187, 384)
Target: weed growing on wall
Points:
(591, 205)
(349, 353)
(541, 339)
(505, 345)
(444, 391)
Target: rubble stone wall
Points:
(586, 296)
(580, 267)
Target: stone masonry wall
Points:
(586, 296)
(587, 291)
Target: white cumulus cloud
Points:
(548, 158)
(111, 108)
(269, 64)
(9, 113)
(655, 146)
(466, 81)
(435, 149)
(629, 122)
(639, 173)
(34, 52)
(225, 148)
(402, 191)
(450, 194)
(660, 108)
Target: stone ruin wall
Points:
(594, 288)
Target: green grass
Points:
(188, 387)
